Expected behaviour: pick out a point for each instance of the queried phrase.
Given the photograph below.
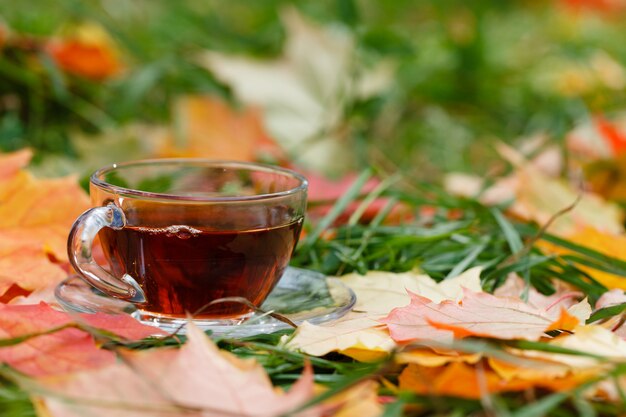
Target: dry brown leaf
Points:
(539, 198)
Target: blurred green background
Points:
(463, 74)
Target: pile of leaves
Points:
(456, 300)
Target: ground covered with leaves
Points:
(466, 181)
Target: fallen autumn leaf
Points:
(196, 380)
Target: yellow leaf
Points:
(363, 354)
(539, 368)
(26, 201)
(538, 196)
(379, 292)
(358, 401)
(355, 335)
(430, 358)
(608, 243)
(359, 334)
(592, 339)
(581, 311)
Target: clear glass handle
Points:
(79, 244)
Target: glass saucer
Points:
(300, 295)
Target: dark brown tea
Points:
(183, 268)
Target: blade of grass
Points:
(370, 197)
(533, 261)
(20, 339)
(545, 347)
(345, 383)
(584, 407)
(606, 313)
(600, 266)
(395, 409)
(339, 207)
(365, 239)
(57, 79)
(514, 241)
(471, 257)
(510, 234)
(541, 407)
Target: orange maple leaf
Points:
(209, 128)
(35, 218)
(64, 351)
(25, 263)
(478, 314)
(461, 380)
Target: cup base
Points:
(172, 325)
(300, 295)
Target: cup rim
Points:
(116, 189)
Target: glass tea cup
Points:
(179, 234)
